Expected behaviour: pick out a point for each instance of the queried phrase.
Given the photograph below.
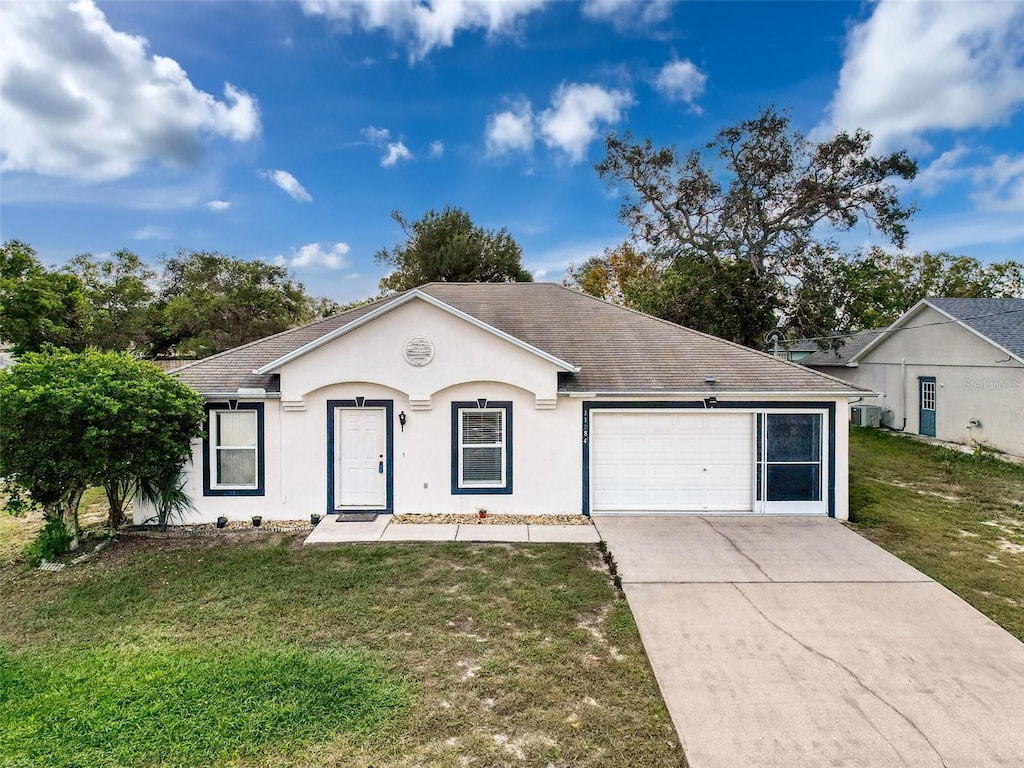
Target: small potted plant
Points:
(315, 519)
(257, 521)
(482, 514)
(222, 521)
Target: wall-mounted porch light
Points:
(401, 420)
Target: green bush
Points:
(52, 542)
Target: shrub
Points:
(51, 542)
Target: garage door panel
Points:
(671, 462)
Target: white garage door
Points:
(668, 461)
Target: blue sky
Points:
(288, 132)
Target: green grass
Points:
(958, 518)
(107, 706)
(265, 654)
(16, 533)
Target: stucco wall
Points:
(469, 364)
(974, 380)
(547, 458)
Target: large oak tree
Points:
(749, 216)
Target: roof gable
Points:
(405, 298)
(999, 322)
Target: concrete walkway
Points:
(795, 642)
(329, 531)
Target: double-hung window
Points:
(233, 461)
(482, 448)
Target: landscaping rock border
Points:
(211, 529)
(470, 519)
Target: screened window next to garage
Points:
(233, 456)
(789, 456)
(482, 447)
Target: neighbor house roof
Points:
(848, 346)
(614, 350)
(795, 345)
(998, 321)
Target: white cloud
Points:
(914, 67)
(628, 14)
(997, 180)
(394, 151)
(436, 149)
(397, 151)
(289, 184)
(81, 100)
(315, 256)
(152, 232)
(425, 24)
(1000, 185)
(376, 136)
(681, 80)
(511, 130)
(944, 169)
(576, 115)
(965, 232)
(218, 205)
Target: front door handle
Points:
(380, 468)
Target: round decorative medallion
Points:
(419, 350)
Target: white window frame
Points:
(463, 445)
(929, 392)
(215, 446)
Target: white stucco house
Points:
(516, 398)
(952, 369)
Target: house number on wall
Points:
(419, 350)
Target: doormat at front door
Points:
(356, 517)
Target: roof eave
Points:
(241, 393)
(701, 394)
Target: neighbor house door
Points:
(360, 471)
(927, 399)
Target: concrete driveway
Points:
(796, 642)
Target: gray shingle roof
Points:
(1000, 320)
(849, 346)
(617, 350)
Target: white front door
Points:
(359, 466)
(671, 461)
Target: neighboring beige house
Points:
(523, 398)
(948, 368)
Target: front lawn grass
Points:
(958, 518)
(261, 653)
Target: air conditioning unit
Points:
(866, 415)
